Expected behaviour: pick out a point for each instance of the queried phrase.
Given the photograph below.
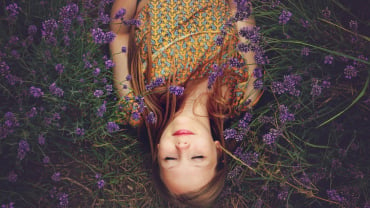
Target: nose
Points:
(182, 145)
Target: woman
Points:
(182, 87)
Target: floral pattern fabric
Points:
(182, 35)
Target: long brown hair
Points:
(164, 105)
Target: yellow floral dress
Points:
(183, 36)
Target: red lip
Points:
(182, 132)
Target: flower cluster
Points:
(271, 137)
(13, 11)
(176, 90)
(23, 148)
(216, 72)
(285, 17)
(48, 31)
(101, 37)
(287, 86)
(112, 127)
(154, 83)
(284, 114)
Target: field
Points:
(305, 144)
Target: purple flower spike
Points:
(177, 90)
(328, 59)
(350, 71)
(101, 183)
(120, 13)
(36, 92)
(305, 51)
(284, 17)
(112, 127)
(56, 176)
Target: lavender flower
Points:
(230, 134)
(101, 183)
(46, 160)
(270, 137)
(112, 127)
(109, 64)
(98, 93)
(56, 177)
(124, 49)
(36, 92)
(132, 22)
(41, 139)
(128, 77)
(333, 195)
(350, 71)
(282, 195)
(353, 25)
(151, 118)
(258, 84)
(305, 23)
(257, 73)
(153, 84)
(101, 110)
(63, 200)
(13, 10)
(326, 13)
(234, 62)
(32, 113)
(316, 90)
(251, 34)
(284, 114)
(176, 90)
(219, 40)
(103, 17)
(328, 59)
(54, 90)
(59, 68)
(284, 17)
(217, 71)
(96, 72)
(248, 157)
(23, 148)
(48, 29)
(305, 51)
(120, 13)
(100, 37)
(234, 172)
(12, 176)
(4, 68)
(275, 3)
(70, 11)
(80, 131)
(56, 116)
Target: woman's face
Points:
(187, 154)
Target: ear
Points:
(218, 147)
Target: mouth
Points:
(182, 132)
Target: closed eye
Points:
(198, 157)
(169, 158)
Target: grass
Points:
(318, 159)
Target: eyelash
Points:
(195, 157)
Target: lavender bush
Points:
(305, 144)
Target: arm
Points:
(250, 92)
(121, 68)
